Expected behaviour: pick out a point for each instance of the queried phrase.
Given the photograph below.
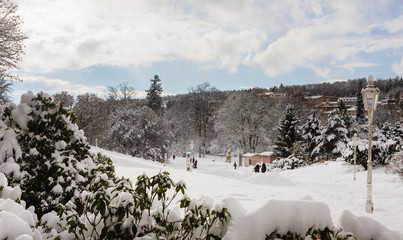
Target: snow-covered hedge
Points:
(114, 209)
(301, 219)
(286, 163)
(381, 151)
(395, 164)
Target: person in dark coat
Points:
(257, 168)
(263, 167)
(235, 165)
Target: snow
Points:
(20, 115)
(319, 195)
(15, 221)
(283, 216)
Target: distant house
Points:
(273, 95)
(268, 157)
(251, 159)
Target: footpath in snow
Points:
(330, 183)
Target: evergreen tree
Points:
(298, 151)
(311, 132)
(288, 133)
(334, 137)
(154, 100)
(348, 122)
(360, 116)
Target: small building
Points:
(268, 157)
(251, 159)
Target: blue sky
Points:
(85, 46)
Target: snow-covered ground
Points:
(331, 183)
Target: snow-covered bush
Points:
(395, 164)
(381, 151)
(44, 152)
(286, 163)
(15, 220)
(287, 220)
(114, 209)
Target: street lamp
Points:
(370, 96)
(355, 140)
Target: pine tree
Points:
(154, 100)
(298, 151)
(288, 133)
(311, 131)
(348, 121)
(334, 137)
(360, 116)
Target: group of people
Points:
(257, 168)
(190, 163)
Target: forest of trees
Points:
(220, 120)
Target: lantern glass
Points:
(370, 96)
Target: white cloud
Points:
(398, 67)
(136, 33)
(277, 36)
(394, 25)
(353, 65)
(59, 85)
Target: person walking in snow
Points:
(235, 165)
(257, 168)
(263, 167)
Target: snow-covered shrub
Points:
(287, 220)
(365, 227)
(286, 163)
(44, 152)
(381, 151)
(15, 220)
(395, 164)
(114, 209)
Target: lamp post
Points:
(355, 140)
(370, 96)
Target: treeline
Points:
(213, 120)
(391, 87)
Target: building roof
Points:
(250, 154)
(267, 154)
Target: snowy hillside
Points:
(249, 196)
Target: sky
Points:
(85, 46)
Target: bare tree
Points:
(92, 117)
(65, 98)
(11, 47)
(245, 121)
(203, 104)
(122, 92)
